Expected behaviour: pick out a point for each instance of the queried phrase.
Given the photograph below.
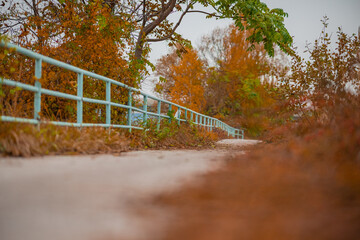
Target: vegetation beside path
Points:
(27, 140)
(303, 182)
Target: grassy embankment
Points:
(27, 140)
(303, 182)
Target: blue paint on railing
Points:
(133, 114)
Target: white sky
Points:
(303, 23)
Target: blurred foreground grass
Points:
(304, 185)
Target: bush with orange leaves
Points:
(88, 36)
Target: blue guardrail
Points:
(199, 119)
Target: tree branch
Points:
(206, 13)
(167, 10)
(174, 29)
(145, 30)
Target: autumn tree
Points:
(233, 81)
(111, 37)
(154, 26)
(164, 70)
(232, 73)
(182, 79)
(88, 36)
(150, 19)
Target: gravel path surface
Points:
(237, 142)
(94, 197)
(101, 197)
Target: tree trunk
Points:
(148, 28)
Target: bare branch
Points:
(206, 13)
(174, 29)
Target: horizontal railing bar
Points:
(91, 125)
(69, 124)
(18, 84)
(162, 100)
(97, 101)
(158, 115)
(34, 89)
(17, 119)
(59, 94)
(126, 126)
(119, 105)
(33, 121)
(137, 109)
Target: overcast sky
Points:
(303, 23)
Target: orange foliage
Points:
(182, 79)
(240, 64)
(188, 77)
(88, 36)
(237, 73)
(226, 81)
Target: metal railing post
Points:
(37, 97)
(179, 115)
(170, 108)
(185, 114)
(108, 105)
(196, 118)
(129, 110)
(145, 115)
(79, 107)
(159, 112)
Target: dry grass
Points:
(27, 140)
(172, 136)
(307, 186)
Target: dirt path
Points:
(94, 197)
